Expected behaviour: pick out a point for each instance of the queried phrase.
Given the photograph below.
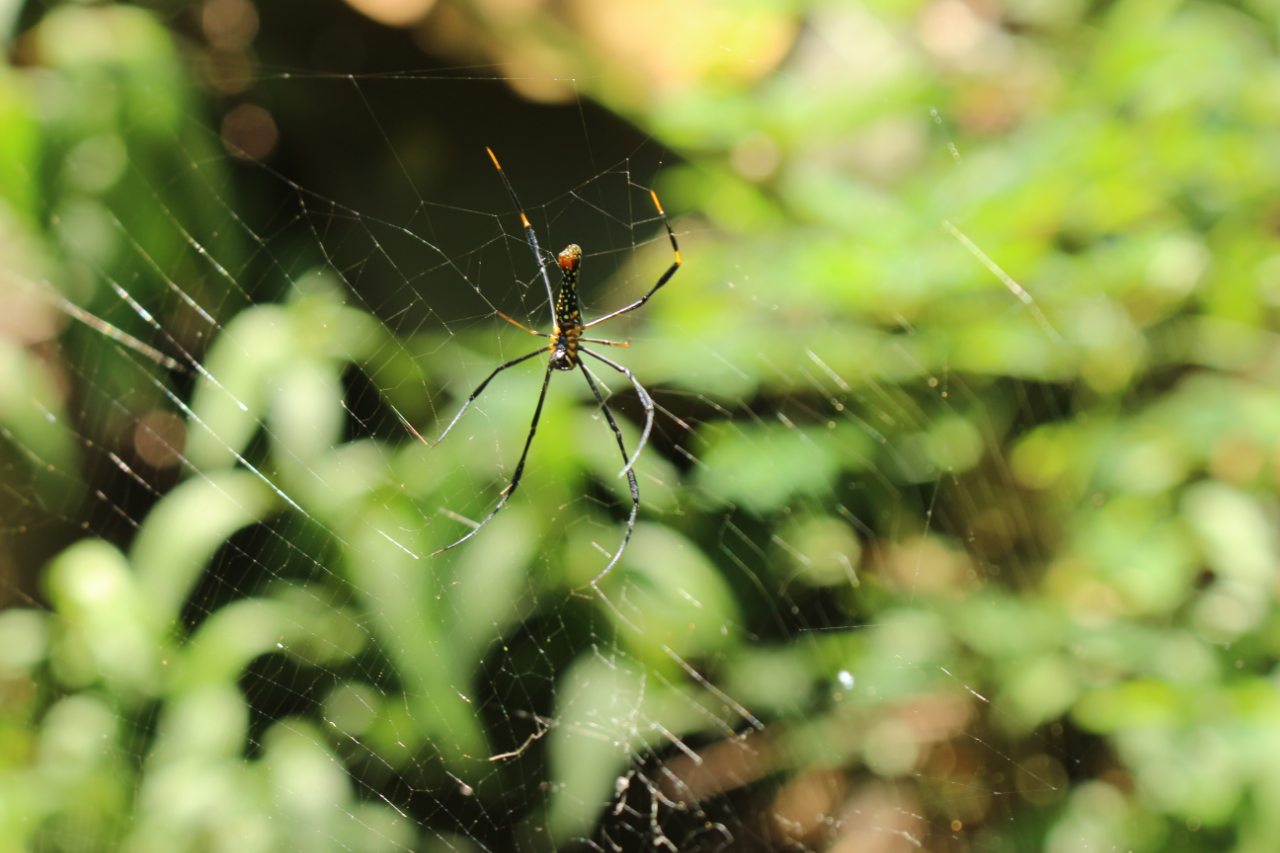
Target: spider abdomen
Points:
(564, 344)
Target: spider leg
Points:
(631, 475)
(530, 236)
(522, 325)
(666, 276)
(524, 454)
(645, 400)
(480, 388)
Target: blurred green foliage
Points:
(1010, 582)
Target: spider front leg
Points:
(530, 235)
(631, 476)
(524, 454)
(666, 276)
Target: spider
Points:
(566, 348)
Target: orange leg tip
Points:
(657, 203)
(493, 157)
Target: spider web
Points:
(237, 492)
(262, 360)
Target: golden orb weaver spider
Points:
(566, 354)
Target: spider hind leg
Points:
(631, 478)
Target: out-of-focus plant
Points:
(1060, 532)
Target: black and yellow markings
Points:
(654, 195)
(568, 319)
